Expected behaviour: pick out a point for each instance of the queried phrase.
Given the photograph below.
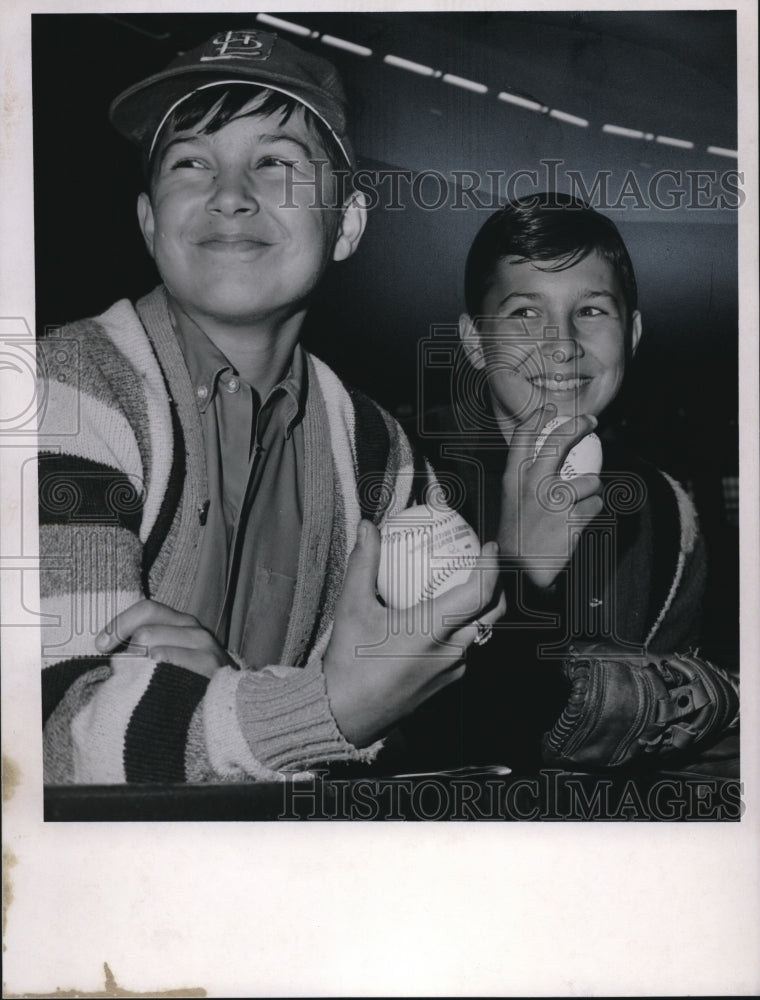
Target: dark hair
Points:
(548, 227)
(234, 97)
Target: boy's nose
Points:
(560, 351)
(233, 194)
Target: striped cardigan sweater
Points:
(122, 485)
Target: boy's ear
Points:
(351, 226)
(635, 331)
(470, 338)
(146, 220)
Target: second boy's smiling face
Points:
(552, 336)
(231, 220)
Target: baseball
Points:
(584, 458)
(423, 553)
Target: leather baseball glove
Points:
(638, 710)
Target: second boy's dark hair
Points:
(546, 227)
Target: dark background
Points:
(669, 73)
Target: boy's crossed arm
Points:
(165, 635)
(418, 651)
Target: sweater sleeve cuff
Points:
(277, 719)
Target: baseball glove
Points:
(635, 711)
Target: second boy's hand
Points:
(539, 524)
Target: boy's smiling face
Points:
(552, 336)
(215, 222)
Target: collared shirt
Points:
(243, 592)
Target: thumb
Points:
(522, 447)
(363, 563)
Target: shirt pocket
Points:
(266, 622)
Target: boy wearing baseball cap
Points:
(218, 530)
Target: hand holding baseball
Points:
(584, 458)
(544, 507)
(383, 662)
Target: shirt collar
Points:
(208, 367)
(205, 364)
(294, 387)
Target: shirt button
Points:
(233, 385)
(202, 391)
(595, 602)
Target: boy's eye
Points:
(187, 163)
(276, 161)
(524, 312)
(591, 311)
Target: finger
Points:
(557, 496)
(146, 612)
(522, 446)
(497, 612)
(526, 433)
(471, 598)
(466, 635)
(191, 659)
(588, 509)
(585, 486)
(363, 563)
(186, 637)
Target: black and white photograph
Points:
(381, 455)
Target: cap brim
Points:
(140, 112)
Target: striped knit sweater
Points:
(122, 481)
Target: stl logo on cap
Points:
(240, 45)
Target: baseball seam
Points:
(437, 576)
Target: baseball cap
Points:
(240, 56)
